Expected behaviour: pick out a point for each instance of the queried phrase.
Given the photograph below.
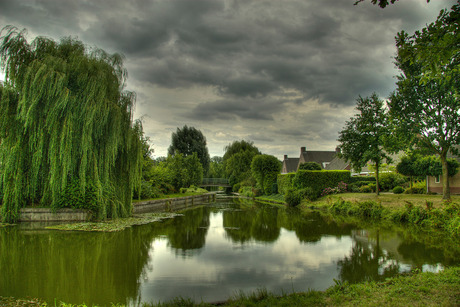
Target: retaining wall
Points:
(172, 204)
(157, 205)
(47, 215)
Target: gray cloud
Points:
(257, 65)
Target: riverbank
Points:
(414, 289)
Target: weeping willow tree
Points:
(65, 124)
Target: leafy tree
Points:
(432, 166)
(187, 141)
(239, 146)
(64, 119)
(216, 168)
(364, 135)
(426, 105)
(265, 169)
(381, 3)
(310, 166)
(182, 172)
(237, 160)
(408, 166)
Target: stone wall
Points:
(157, 205)
(172, 204)
(47, 215)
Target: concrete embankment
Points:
(155, 205)
(172, 204)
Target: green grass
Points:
(415, 289)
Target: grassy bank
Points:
(414, 289)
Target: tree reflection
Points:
(367, 262)
(258, 223)
(189, 231)
(69, 266)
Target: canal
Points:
(209, 253)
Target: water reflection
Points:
(207, 254)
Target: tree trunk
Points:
(377, 192)
(445, 178)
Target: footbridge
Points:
(215, 182)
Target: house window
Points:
(437, 179)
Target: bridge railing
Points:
(214, 181)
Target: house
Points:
(434, 184)
(323, 158)
(290, 165)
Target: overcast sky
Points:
(283, 74)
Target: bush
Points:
(417, 188)
(285, 182)
(387, 181)
(342, 187)
(319, 180)
(147, 191)
(365, 179)
(292, 198)
(398, 190)
(368, 188)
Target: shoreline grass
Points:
(412, 289)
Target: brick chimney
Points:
(303, 149)
(285, 157)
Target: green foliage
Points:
(216, 168)
(355, 179)
(265, 169)
(284, 182)
(319, 180)
(390, 180)
(426, 105)
(187, 141)
(417, 188)
(366, 134)
(310, 166)
(292, 197)
(147, 190)
(183, 171)
(64, 115)
(72, 196)
(237, 160)
(398, 190)
(432, 166)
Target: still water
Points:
(209, 254)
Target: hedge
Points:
(361, 178)
(285, 182)
(319, 180)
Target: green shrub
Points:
(367, 188)
(292, 197)
(398, 190)
(285, 182)
(274, 188)
(310, 166)
(389, 180)
(370, 209)
(417, 188)
(366, 179)
(319, 180)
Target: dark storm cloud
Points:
(256, 60)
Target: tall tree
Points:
(364, 135)
(64, 119)
(426, 103)
(237, 160)
(187, 141)
(265, 169)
